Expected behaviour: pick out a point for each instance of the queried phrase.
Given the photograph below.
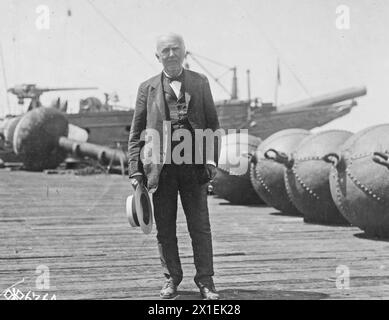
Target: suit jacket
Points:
(150, 112)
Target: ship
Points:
(111, 128)
(261, 119)
(108, 124)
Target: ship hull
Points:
(112, 128)
(104, 128)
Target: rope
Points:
(210, 74)
(121, 34)
(5, 79)
(272, 45)
(209, 60)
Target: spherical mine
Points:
(232, 181)
(267, 176)
(307, 178)
(9, 128)
(36, 138)
(359, 180)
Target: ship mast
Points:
(248, 95)
(278, 83)
(234, 90)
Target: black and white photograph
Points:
(179, 152)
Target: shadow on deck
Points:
(244, 294)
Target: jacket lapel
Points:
(188, 85)
(157, 95)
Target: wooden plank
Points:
(77, 227)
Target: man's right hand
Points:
(135, 180)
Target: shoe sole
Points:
(168, 297)
(204, 298)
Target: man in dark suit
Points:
(173, 101)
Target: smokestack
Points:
(234, 91)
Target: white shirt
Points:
(175, 85)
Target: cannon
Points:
(33, 92)
(359, 180)
(307, 176)
(328, 99)
(41, 140)
(267, 176)
(232, 181)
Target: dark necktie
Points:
(179, 78)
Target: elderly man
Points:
(183, 99)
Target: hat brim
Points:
(131, 212)
(139, 209)
(144, 209)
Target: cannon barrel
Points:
(28, 88)
(24, 91)
(41, 140)
(64, 89)
(328, 99)
(105, 155)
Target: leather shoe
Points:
(169, 289)
(209, 293)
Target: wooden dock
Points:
(77, 227)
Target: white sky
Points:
(83, 50)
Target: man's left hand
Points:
(211, 170)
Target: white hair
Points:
(170, 35)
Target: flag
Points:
(278, 73)
(278, 82)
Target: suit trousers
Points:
(183, 179)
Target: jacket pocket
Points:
(202, 175)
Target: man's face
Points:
(171, 53)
